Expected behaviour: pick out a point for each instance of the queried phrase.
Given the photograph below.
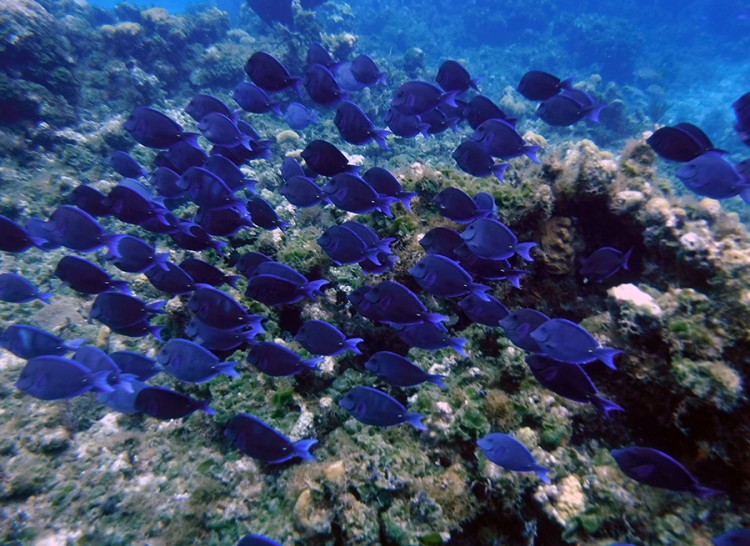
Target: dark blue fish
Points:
(358, 299)
(458, 206)
(278, 361)
(500, 139)
(205, 273)
(539, 86)
(96, 360)
(75, 229)
(290, 168)
(184, 154)
(344, 77)
(399, 371)
(125, 165)
(303, 192)
(344, 246)
(417, 97)
(134, 255)
(202, 104)
(273, 290)
(13, 238)
(373, 407)
(710, 175)
(321, 86)
(569, 342)
(228, 172)
(223, 221)
(260, 441)
(141, 328)
(480, 109)
(152, 128)
(569, 381)
(452, 76)
(491, 270)
(298, 116)
(395, 303)
(741, 109)
(321, 338)
(173, 280)
(491, 239)
(285, 272)
(442, 276)
(438, 121)
(657, 469)
(135, 364)
(407, 126)
(682, 143)
(326, 159)
(217, 309)
(506, 451)
(268, 73)
(366, 71)
(370, 238)
(206, 188)
(317, 54)
(219, 339)
(386, 262)
(604, 263)
(569, 107)
(166, 182)
(260, 540)
(28, 342)
(15, 289)
(165, 404)
(86, 277)
(118, 310)
(271, 11)
(131, 207)
(356, 128)
(735, 537)
(221, 130)
(249, 262)
(442, 240)
(122, 399)
(191, 236)
(383, 182)
(188, 361)
(90, 200)
(489, 312)
(519, 325)
(58, 378)
(252, 98)
(351, 193)
(264, 215)
(472, 158)
(429, 336)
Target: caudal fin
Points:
(530, 151)
(437, 380)
(457, 344)
(522, 249)
(607, 356)
(351, 345)
(99, 381)
(498, 169)
(415, 420)
(379, 136)
(542, 473)
(605, 406)
(302, 449)
(703, 492)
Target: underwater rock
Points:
(558, 246)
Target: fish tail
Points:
(39, 242)
(474, 83)
(566, 84)
(231, 280)
(424, 129)
(227, 368)
(204, 407)
(498, 170)
(311, 363)
(449, 98)
(435, 318)
(383, 204)
(415, 420)
(156, 307)
(384, 245)
(160, 261)
(111, 243)
(99, 381)
(405, 197)
(351, 344)
(605, 406)
(44, 296)
(217, 245)
(607, 356)
(522, 249)
(121, 286)
(379, 136)
(302, 449)
(530, 151)
(276, 108)
(156, 331)
(480, 290)
(542, 473)
(437, 379)
(514, 277)
(745, 195)
(703, 492)
(313, 287)
(372, 255)
(626, 258)
(593, 115)
(74, 344)
(457, 344)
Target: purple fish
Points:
(452, 76)
(202, 104)
(569, 342)
(351, 193)
(134, 255)
(303, 192)
(28, 342)
(58, 378)
(321, 86)
(299, 116)
(710, 175)
(417, 97)
(604, 263)
(86, 277)
(406, 126)
(173, 280)
(426, 335)
(15, 289)
(395, 303)
(356, 128)
(118, 310)
(480, 109)
(366, 71)
(223, 221)
(506, 451)
(125, 165)
(488, 312)
(188, 361)
(326, 159)
(442, 276)
(205, 273)
(399, 371)
(152, 128)
(322, 338)
(13, 238)
(374, 407)
(473, 159)
(569, 107)
(538, 86)
(165, 404)
(519, 325)
(217, 309)
(278, 361)
(500, 139)
(264, 215)
(383, 182)
(260, 441)
(268, 73)
(682, 143)
(489, 238)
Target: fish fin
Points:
(703, 492)
(449, 98)
(566, 84)
(424, 129)
(121, 286)
(530, 151)
(217, 245)
(312, 288)
(435, 319)
(126, 380)
(276, 109)
(311, 363)
(457, 344)
(514, 277)
(745, 195)
(384, 245)
(156, 331)
(479, 290)
(415, 420)
(379, 135)
(383, 204)
(74, 344)
(605, 406)
(542, 473)
(227, 368)
(99, 381)
(593, 114)
(498, 169)
(607, 356)
(351, 344)
(156, 307)
(44, 296)
(437, 379)
(474, 83)
(204, 407)
(160, 261)
(626, 258)
(111, 243)
(522, 249)
(231, 280)
(302, 448)
(296, 84)
(405, 197)
(39, 242)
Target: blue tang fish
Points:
(710, 175)
(400, 371)
(453, 76)
(383, 182)
(682, 143)
(260, 441)
(326, 159)
(356, 128)
(28, 342)
(491, 239)
(519, 325)
(569, 107)
(322, 338)
(604, 263)
(75, 229)
(569, 342)
(134, 255)
(203, 104)
(173, 280)
(480, 109)
(442, 276)
(273, 290)
(15, 289)
(217, 309)
(250, 261)
(166, 183)
(182, 155)
(188, 361)
(298, 116)
(223, 221)
(569, 381)
(257, 540)
(500, 139)
(252, 98)
(118, 310)
(741, 109)
(268, 73)
(219, 339)
(90, 200)
(322, 86)
(506, 451)
(205, 273)
(429, 336)
(538, 86)
(135, 364)
(317, 54)
(488, 312)
(351, 193)
(271, 11)
(165, 404)
(278, 361)
(152, 128)
(221, 130)
(344, 246)
(374, 407)
(417, 97)
(457, 205)
(229, 173)
(264, 215)
(406, 126)
(191, 236)
(13, 238)
(122, 399)
(397, 304)
(97, 360)
(442, 240)
(366, 71)
(125, 165)
(303, 192)
(58, 378)
(735, 537)
(491, 270)
(86, 277)
(657, 469)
